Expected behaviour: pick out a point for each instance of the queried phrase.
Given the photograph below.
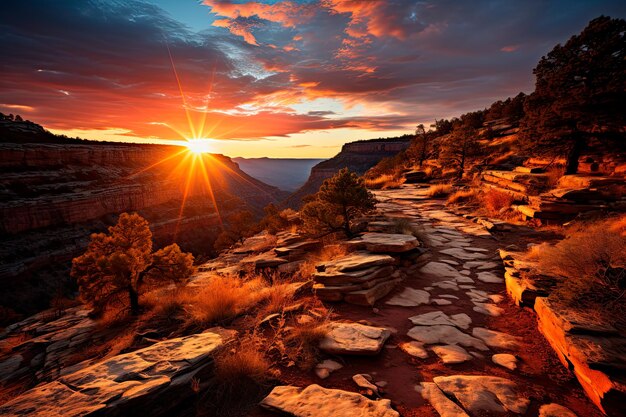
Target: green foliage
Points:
(119, 264)
(579, 93)
(339, 200)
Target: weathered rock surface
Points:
(415, 349)
(316, 401)
(157, 375)
(505, 360)
(326, 367)
(444, 406)
(496, 339)
(451, 354)
(409, 297)
(444, 334)
(480, 394)
(433, 318)
(354, 339)
(555, 410)
(356, 261)
(389, 242)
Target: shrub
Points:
(385, 181)
(339, 200)
(591, 261)
(439, 190)
(554, 174)
(463, 197)
(302, 340)
(220, 300)
(493, 201)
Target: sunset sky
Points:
(271, 78)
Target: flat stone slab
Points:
(488, 309)
(505, 360)
(369, 296)
(334, 277)
(415, 349)
(409, 297)
(440, 269)
(444, 334)
(324, 402)
(356, 261)
(555, 410)
(434, 318)
(489, 277)
(463, 254)
(354, 339)
(496, 339)
(115, 386)
(451, 354)
(480, 394)
(389, 242)
(442, 404)
(326, 367)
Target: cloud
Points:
(263, 67)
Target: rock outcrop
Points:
(159, 375)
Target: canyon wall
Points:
(53, 196)
(357, 156)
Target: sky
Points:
(271, 78)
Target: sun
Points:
(198, 146)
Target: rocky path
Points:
(459, 347)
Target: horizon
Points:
(293, 79)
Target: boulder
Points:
(505, 360)
(389, 242)
(354, 339)
(483, 394)
(158, 375)
(324, 402)
(326, 367)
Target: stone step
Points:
(529, 170)
(518, 196)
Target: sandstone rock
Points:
(463, 254)
(506, 360)
(409, 297)
(488, 309)
(489, 277)
(496, 339)
(354, 339)
(334, 277)
(326, 367)
(124, 384)
(324, 402)
(356, 261)
(415, 349)
(480, 394)
(440, 269)
(441, 302)
(451, 354)
(433, 318)
(444, 406)
(444, 334)
(363, 381)
(368, 297)
(389, 242)
(555, 410)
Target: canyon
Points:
(55, 195)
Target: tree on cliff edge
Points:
(120, 264)
(339, 200)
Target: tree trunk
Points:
(461, 168)
(571, 166)
(133, 297)
(346, 222)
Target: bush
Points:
(494, 201)
(384, 182)
(439, 190)
(591, 261)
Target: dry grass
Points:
(222, 299)
(463, 197)
(277, 298)
(439, 190)
(591, 261)
(554, 174)
(385, 181)
(494, 201)
(405, 227)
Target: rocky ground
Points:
(421, 326)
(458, 345)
